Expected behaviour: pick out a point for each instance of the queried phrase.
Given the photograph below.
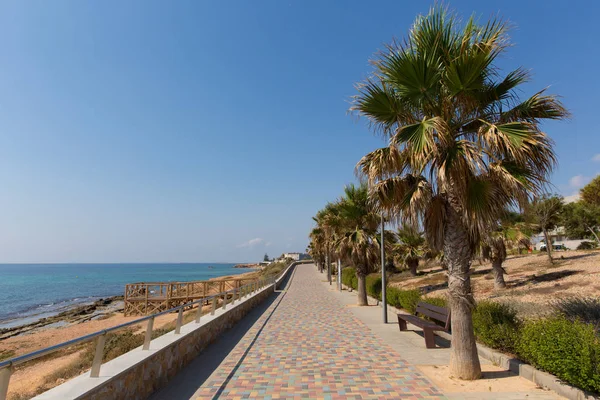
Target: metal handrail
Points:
(7, 366)
(31, 356)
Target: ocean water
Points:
(29, 292)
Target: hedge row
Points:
(565, 348)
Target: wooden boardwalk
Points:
(147, 298)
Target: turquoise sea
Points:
(29, 292)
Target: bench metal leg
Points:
(402, 324)
(429, 338)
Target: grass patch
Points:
(6, 354)
(274, 268)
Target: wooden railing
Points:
(152, 297)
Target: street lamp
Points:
(339, 274)
(383, 280)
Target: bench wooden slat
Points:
(421, 323)
(434, 315)
(437, 313)
(438, 309)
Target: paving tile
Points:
(309, 345)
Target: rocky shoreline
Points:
(97, 310)
(253, 266)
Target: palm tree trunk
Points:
(548, 246)
(464, 361)
(362, 287)
(499, 282)
(412, 266)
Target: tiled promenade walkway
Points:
(308, 345)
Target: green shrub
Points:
(349, 277)
(374, 286)
(409, 299)
(496, 325)
(406, 299)
(436, 301)
(570, 350)
(274, 268)
(587, 245)
(391, 295)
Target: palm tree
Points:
(358, 239)
(317, 246)
(410, 247)
(517, 234)
(494, 249)
(462, 145)
(328, 221)
(510, 232)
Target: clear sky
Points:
(135, 131)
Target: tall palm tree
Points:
(358, 239)
(317, 246)
(462, 145)
(327, 221)
(410, 246)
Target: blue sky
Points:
(212, 131)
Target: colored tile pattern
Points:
(307, 345)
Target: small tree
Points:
(545, 213)
(410, 247)
(591, 192)
(581, 220)
(266, 257)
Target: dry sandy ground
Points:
(531, 280)
(494, 380)
(23, 381)
(30, 376)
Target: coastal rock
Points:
(255, 266)
(75, 315)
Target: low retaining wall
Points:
(139, 373)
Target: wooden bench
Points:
(434, 312)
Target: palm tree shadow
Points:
(548, 277)
(578, 256)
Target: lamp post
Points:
(339, 274)
(383, 280)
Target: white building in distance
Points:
(295, 256)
